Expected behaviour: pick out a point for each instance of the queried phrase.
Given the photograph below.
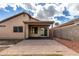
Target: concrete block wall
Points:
(68, 32)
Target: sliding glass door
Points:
(43, 32)
(38, 31)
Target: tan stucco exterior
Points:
(6, 32)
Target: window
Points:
(17, 29)
(34, 30)
(2, 26)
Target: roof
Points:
(16, 16)
(68, 23)
(39, 23)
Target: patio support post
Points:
(24, 31)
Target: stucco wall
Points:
(7, 31)
(68, 32)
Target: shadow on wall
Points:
(51, 33)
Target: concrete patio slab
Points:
(38, 47)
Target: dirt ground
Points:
(69, 43)
(4, 44)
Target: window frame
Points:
(2, 25)
(17, 29)
(35, 30)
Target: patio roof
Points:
(39, 23)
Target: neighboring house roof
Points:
(16, 16)
(69, 23)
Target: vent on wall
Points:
(23, 15)
(2, 25)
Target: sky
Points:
(58, 12)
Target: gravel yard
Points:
(73, 44)
(4, 44)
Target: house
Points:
(23, 26)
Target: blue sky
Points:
(58, 12)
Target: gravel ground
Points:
(4, 44)
(69, 43)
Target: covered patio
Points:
(38, 29)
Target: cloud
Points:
(42, 4)
(46, 12)
(66, 12)
(2, 6)
(73, 9)
(25, 6)
(61, 11)
(14, 6)
(62, 18)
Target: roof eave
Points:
(39, 23)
